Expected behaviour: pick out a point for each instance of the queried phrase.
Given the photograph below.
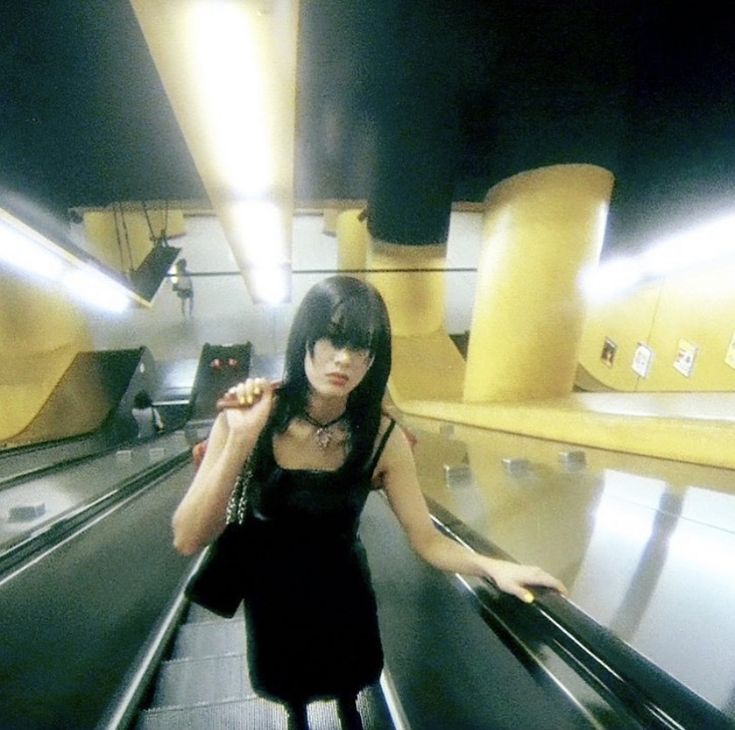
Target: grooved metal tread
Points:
(205, 686)
(248, 714)
(258, 714)
(210, 638)
(199, 613)
(186, 682)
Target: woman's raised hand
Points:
(247, 405)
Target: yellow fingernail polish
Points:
(250, 400)
(528, 597)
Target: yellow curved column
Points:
(415, 301)
(426, 364)
(352, 243)
(543, 229)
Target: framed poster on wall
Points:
(642, 360)
(686, 354)
(730, 354)
(607, 356)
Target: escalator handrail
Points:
(124, 709)
(53, 532)
(32, 447)
(607, 663)
(39, 471)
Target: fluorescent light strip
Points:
(27, 255)
(226, 64)
(25, 250)
(701, 246)
(93, 287)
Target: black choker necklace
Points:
(323, 436)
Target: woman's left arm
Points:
(397, 472)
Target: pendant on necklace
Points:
(323, 438)
(323, 434)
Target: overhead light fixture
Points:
(613, 277)
(270, 284)
(24, 254)
(93, 287)
(229, 69)
(26, 250)
(683, 252)
(225, 62)
(704, 244)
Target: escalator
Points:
(470, 657)
(80, 595)
(204, 684)
(219, 368)
(92, 638)
(459, 655)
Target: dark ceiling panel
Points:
(409, 105)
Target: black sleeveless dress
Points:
(310, 610)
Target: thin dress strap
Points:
(381, 446)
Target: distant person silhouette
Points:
(146, 416)
(184, 288)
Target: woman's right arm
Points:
(200, 516)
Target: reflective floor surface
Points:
(37, 501)
(645, 546)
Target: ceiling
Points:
(410, 105)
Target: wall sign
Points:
(642, 360)
(686, 354)
(730, 354)
(609, 348)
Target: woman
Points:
(184, 288)
(147, 418)
(314, 450)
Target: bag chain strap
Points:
(238, 499)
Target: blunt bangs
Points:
(348, 316)
(352, 326)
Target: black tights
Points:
(297, 718)
(349, 717)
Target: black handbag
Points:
(218, 582)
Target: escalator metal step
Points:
(250, 714)
(198, 613)
(209, 638)
(260, 714)
(205, 680)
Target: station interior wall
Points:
(696, 307)
(41, 329)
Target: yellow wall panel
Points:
(627, 321)
(40, 333)
(428, 367)
(696, 306)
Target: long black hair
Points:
(350, 313)
(142, 400)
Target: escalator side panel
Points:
(449, 670)
(73, 622)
